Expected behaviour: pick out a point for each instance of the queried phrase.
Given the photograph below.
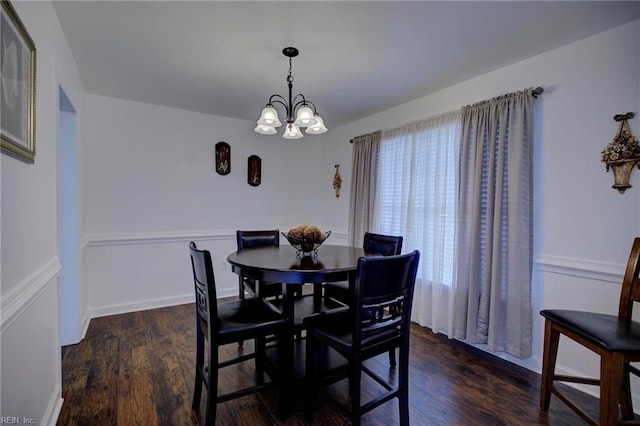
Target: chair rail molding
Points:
(109, 239)
(124, 238)
(21, 296)
(582, 268)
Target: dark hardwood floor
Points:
(137, 369)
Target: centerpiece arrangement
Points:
(306, 238)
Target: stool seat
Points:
(607, 331)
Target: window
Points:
(416, 192)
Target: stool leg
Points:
(626, 401)
(551, 339)
(611, 382)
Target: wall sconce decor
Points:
(622, 154)
(337, 180)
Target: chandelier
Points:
(298, 107)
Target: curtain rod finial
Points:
(537, 91)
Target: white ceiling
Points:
(356, 57)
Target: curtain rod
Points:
(366, 134)
(534, 92)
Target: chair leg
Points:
(550, 353)
(392, 357)
(355, 379)
(260, 347)
(197, 395)
(611, 382)
(403, 384)
(197, 387)
(284, 379)
(212, 390)
(310, 373)
(240, 296)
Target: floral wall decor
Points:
(622, 154)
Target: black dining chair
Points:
(615, 338)
(220, 324)
(377, 321)
(250, 240)
(384, 245)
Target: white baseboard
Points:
(50, 417)
(86, 319)
(140, 306)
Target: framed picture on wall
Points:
(254, 170)
(18, 84)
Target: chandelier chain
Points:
(290, 76)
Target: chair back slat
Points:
(204, 283)
(385, 245)
(630, 292)
(384, 293)
(253, 239)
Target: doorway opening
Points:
(68, 291)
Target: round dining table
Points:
(284, 265)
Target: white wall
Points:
(150, 186)
(583, 228)
(30, 348)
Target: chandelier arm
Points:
(282, 101)
(299, 95)
(277, 98)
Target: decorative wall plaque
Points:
(337, 180)
(254, 170)
(223, 158)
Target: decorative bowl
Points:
(306, 246)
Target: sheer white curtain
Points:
(416, 197)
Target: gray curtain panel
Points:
(494, 229)
(363, 185)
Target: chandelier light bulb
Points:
(318, 128)
(265, 130)
(291, 131)
(305, 117)
(269, 117)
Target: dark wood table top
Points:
(281, 264)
